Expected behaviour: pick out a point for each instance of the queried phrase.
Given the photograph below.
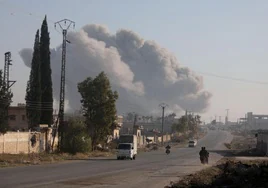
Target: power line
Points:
(234, 79)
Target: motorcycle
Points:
(167, 151)
(204, 160)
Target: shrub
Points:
(76, 139)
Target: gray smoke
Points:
(144, 73)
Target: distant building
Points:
(254, 121)
(17, 119)
(116, 130)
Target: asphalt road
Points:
(150, 169)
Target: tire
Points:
(134, 157)
(118, 158)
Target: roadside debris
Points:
(228, 173)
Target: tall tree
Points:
(33, 90)
(5, 97)
(189, 123)
(46, 80)
(98, 102)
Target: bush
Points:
(76, 139)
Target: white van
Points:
(127, 147)
(192, 143)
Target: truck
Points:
(127, 147)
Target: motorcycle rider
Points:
(168, 149)
(204, 154)
(168, 146)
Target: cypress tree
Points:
(33, 90)
(5, 98)
(46, 80)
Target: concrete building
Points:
(254, 121)
(17, 117)
(116, 131)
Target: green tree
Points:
(33, 90)
(191, 123)
(76, 138)
(181, 125)
(98, 104)
(5, 97)
(45, 78)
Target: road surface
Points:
(150, 169)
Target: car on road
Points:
(192, 143)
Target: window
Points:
(23, 117)
(12, 117)
(124, 146)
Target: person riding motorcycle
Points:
(204, 155)
(168, 146)
(168, 149)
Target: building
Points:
(17, 119)
(116, 130)
(254, 121)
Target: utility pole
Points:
(64, 25)
(246, 121)
(187, 123)
(134, 122)
(227, 117)
(163, 106)
(6, 82)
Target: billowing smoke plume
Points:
(144, 73)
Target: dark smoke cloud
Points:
(144, 73)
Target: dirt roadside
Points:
(13, 160)
(243, 166)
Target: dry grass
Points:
(9, 160)
(242, 142)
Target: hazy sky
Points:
(226, 38)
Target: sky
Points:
(224, 38)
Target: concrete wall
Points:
(262, 142)
(20, 142)
(166, 138)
